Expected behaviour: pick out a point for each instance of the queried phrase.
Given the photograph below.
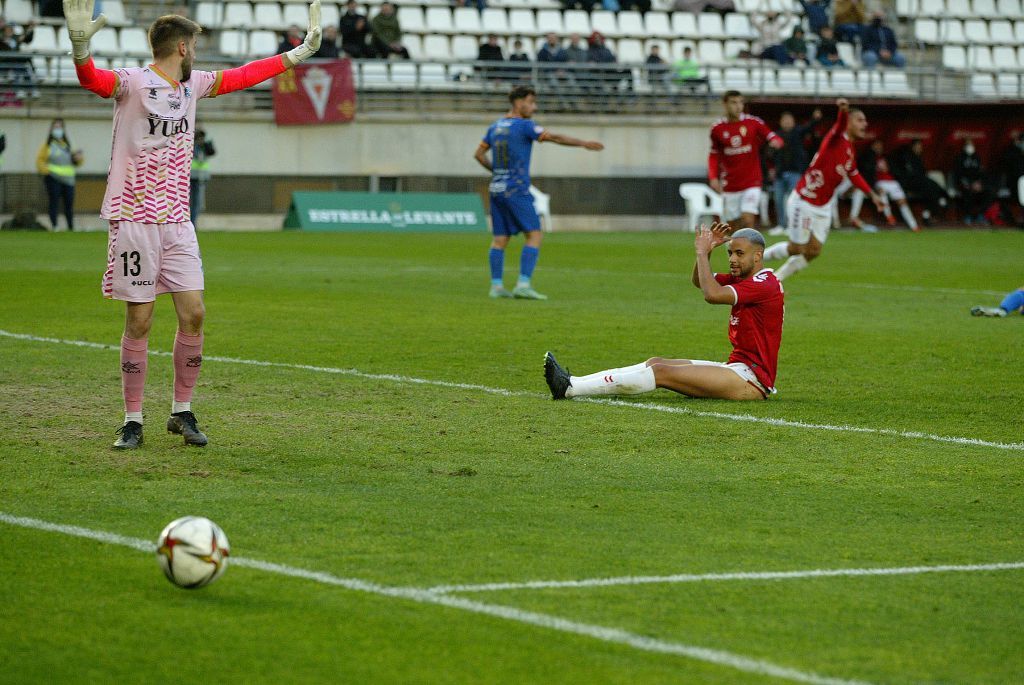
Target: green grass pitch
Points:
(414, 485)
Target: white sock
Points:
(777, 251)
(523, 282)
(628, 381)
(135, 416)
(908, 216)
(856, 202)
(178, 407)
(792, 265)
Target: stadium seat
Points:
(895, 82)
(330, 15)
(790, 79)
(494, 21)
(907, 8)
(732, 48)
(738, 26)
(926, 31)
(710, 52)
(871, 83)
(631, 51)
(372, 74)
(631, 24)
(209, 14)
(542, 205)
(298, 15)
(263, 43)
(1008, 85)
(521, 21)
(437, 20)
(952, 31)
(959, 8)
(268, 15)
(412, 20)
(700, 201)
(105, 42)
(134, 42)
(41, 67)
(684, 24)
(954, 57)
(18, 11)
(576, 21)
(114, 11)
(433, 75)
(605, 23)
(234, 43)
(1005, 57)
(982, 84)
(678, 46)
(238, 15)
(550, 21)
(1020, 190)
(847, 54)
(465, 47)
(980, 57)
(986, 9)
(844, 82)
(736, 78)
(976, 31)
(413, 44)
(1018, 31)
(1009, 9)
(1001, 32)
(436, 47)
(45, 39)
(403, 73)
(466, 20)
(656, 25)
(932, 8)
(709, 25)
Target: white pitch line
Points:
(603, 633)
(650, 406)
(738, 575)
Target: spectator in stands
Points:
(585, 5)
(386, 33)
(769, 43)
(598, 53)
(697, 6)
(480, 5)
(17, 70)
(521, 70)
(490, 52)
(354, 31)
(576, 52)
(850, 16)
(640, 6)
(1011, 170)
(791, 160)
(874, 166)
(908, 168)
(687, 71)
(827, 52)
(202, 150)
(816, 12)
(969, 180)
(292, 39)
(51, 8)
(552, 50)
(657, 68)
(518, 54)
(328, 45)
(878, 44)
(796, 47)
(56, 162)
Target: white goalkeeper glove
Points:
(81, 27)
(312, 42)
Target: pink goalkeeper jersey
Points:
(151, 160)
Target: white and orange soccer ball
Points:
(192, 551)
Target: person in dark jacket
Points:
(387, 33)
(969, 180)
(878, 45)
(354, 32)
(816, 12)
(909, 169)
(790, 160)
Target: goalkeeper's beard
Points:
(186, 68)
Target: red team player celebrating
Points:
(152, 244)
(809, 207)
(755, 331)
(734, 163)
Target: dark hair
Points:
(520, 92)
(731, 94)
(167, 31)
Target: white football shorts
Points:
(747, 201)
(741, 370)
(891, 189)
(804, 220)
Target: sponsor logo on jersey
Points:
(167, 127)
(174, 101)
(188, 92)
(734, 321)
(152, 93)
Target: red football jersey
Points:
(735, 155)
(833, 163)
(755, 323)
(882, 172)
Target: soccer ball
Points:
(192, 551)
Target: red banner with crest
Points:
(318, 93)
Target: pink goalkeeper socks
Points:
(188, 359)
(133, 372)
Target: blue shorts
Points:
(511, 215)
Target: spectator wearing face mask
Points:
(56, 162)
(969, 180)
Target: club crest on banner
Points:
(321, 93)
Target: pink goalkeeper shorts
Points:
(146, 260)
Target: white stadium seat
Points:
(113, 10)
(907, 8)
(711, 51)
(522, 21)
(736, 78)
(1009, 9)
(438, 20)
(268, 15)
(436, 47)
(605, 23)
(982, 84)
(985, 9)
(1005, 57)
(709, 24)
(790, 80)
(976, 30)
(234, 43)
(733, 48)
(895, 82)
(134, 42)
(871, 83)
(1008, 85)
(952, 31)
(926, 31)
(45, 39)
(105, 42)
(679, 45)
(465, 47)
(411, 19)
(330, 15)
(844, 81)
(576, 21)
(550, 21)
(297, 14)
(403, 73)
(466, 20)
(209, 14)
(954, 57)
(959, 8)
(413, 44)
(632, 24)
(738, 26)
(932, 8)
(684, 24)
(263, 43)
(980, 57)
(847, 54)
(433, 75)
(1018, 31)
(656, 25)
(1001, 32)
(494, 21)
(238, 15)
(18, 11)
(373, 74)
(631, 51)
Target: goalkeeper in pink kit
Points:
(152, 245)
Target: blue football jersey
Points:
(511, 142)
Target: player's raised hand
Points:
(704, 241)
(314, 33)
(81, 26)
(721, 232)
(843, 104)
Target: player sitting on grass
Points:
(510, 140)
(152, 243)
(755, 331)
(1014, 302)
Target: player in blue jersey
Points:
(1014, 302)
(510, 140)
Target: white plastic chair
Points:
(700, 201)
(1020, 190)
(542, 205)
